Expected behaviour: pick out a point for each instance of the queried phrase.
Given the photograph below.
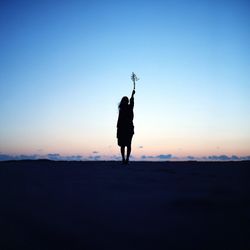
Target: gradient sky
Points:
(66, 64)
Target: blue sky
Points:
(66, 64)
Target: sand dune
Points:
(105, 205)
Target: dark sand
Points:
(104, 205)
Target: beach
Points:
(106, 205)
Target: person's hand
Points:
(133, 92)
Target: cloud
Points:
(6, 157)
(194, 158)
(115, 157)
(73, 158)
(95, 152)
(219, 157)
(95, 157)
(147, 157)
(54, 157)
(190, 157)
(159, 157)
(164, 157)
(58, 157)
(245, 158)
(224, 158)
(235, 157)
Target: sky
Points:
(65, 65)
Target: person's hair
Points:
(124, 102)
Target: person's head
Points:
(124, 102)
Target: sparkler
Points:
(134, 78)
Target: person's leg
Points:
(128, 153)
(129, 148)
(123, 153)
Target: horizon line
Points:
(95, 156)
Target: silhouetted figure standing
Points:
(125, 126)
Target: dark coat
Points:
(125, 126)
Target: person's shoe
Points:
(123, 162)
(127, 162)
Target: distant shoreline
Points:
(117, 161)
(101, 162)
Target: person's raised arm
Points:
(133, 92)
(132, 99)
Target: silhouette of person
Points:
(125, 126)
